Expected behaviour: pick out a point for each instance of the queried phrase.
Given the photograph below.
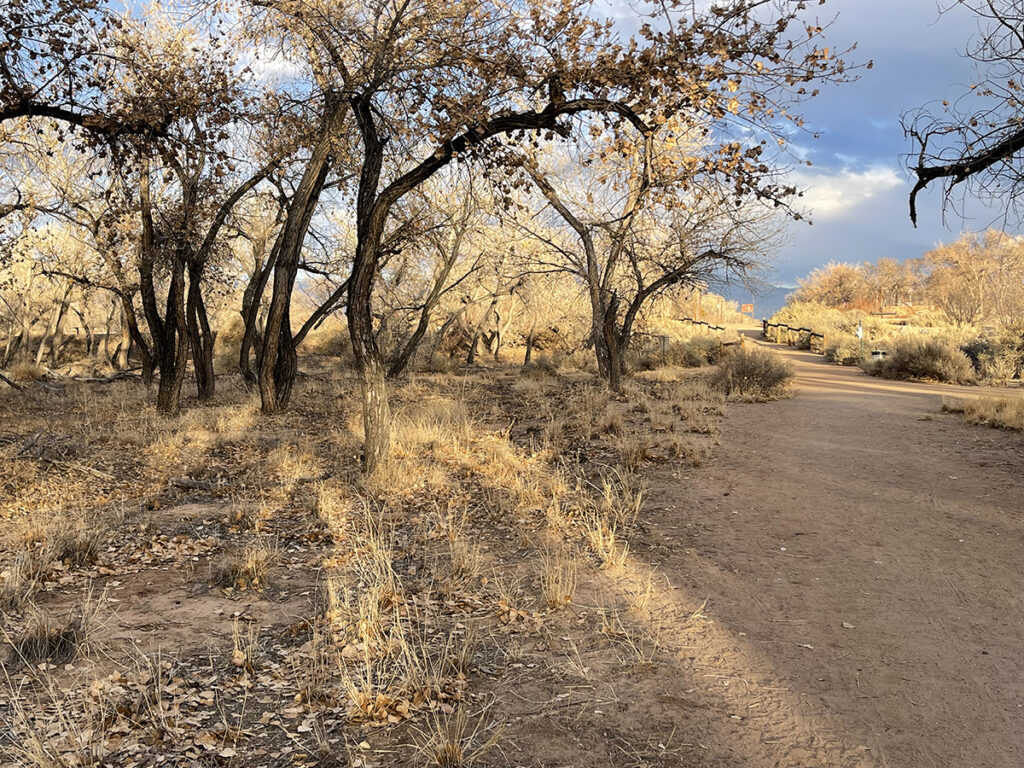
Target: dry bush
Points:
(633, 449)
(47, 640)
(293, 463)
(923, 359)
(25, 372)
(441, 364)
(554, 437)
(56, 639)
(47, 732)
(697, 351)
(333, 507)
(590, 410)
(48, 538)
(752, 374)
(20, 582)
(611, 423)
(696, 389)
(245, 644)
(465, 562)
(1000, 412)
(843, 348)
(541, 367)
(694, 450)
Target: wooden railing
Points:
(815, 341)
(709, 326)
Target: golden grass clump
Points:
(1001, 412)
(558, 577)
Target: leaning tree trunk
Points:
(278, 364)
(529, 347)
(106, 333)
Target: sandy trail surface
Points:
(863, 559)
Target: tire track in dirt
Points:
(859, 520)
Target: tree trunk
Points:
(252, 336)
(174, 345)
(125, 346)
(172, 375)
(200, 336)
(106, 333)
(376, 416)
(92, 346)
(529, 347)
(47, 346)
(611, 342)
(11, 348)
(278, 364)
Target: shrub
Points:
(539, 367)
(842, 348)
(996, 360)
(442, 364)
(924, 359)
(25, 372)
(697, 351)
(752, 373)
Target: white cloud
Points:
(835, 195)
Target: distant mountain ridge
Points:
(766, 298)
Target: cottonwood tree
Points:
(836, 284)
(437, 260)
(650, 219)
(432, 82)
(978, 278)
(187, 185)
(977, 138)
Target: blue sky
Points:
(857, 188)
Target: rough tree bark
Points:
(278, 363)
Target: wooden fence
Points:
(797, 336)
(709, 326)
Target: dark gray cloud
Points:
(857, 185)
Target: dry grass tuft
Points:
(999, 412)
(622, 496)
(25, 372)
(450, 743)
(57, 640)
(559, 576)
(633, 450)
(20, 582)
(602, 534)
(249, 568)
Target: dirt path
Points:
(864, 561)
